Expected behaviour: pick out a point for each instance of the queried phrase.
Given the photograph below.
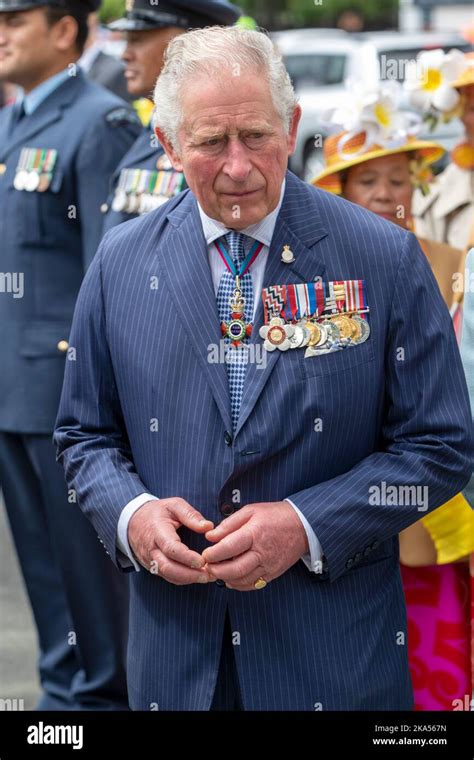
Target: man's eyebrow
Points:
(205, 134)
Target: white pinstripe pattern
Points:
(142, 354)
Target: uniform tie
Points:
(236, 357)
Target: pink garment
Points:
(438, 610)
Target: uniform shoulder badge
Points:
(121, 115)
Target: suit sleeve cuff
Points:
(126, 557)
(314, 559)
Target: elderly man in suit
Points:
(266, 391)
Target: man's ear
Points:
(295, 120)
(169, 149)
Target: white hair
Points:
(210, 51)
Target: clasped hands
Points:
(259, 541)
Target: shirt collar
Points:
(261, 231)
(42, 91)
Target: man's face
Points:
(233, 147)
(382, 185)
(27, 46)
(143, 57)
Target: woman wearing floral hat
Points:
(444, 89)
(377, 161)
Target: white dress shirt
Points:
(263, 232)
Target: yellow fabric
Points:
(144, 108)
(451, 528)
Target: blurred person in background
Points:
(145, 178)
(102, 67)
(377, 162)
(351, 20)
(443, 87)
(59, 144)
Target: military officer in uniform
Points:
(59, 144)
(145, 178)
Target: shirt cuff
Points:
(313, 560)
(126, 557)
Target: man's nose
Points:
(237, 165)
(127, 54)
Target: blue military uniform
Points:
(145, 177)
(143, 180)
(58, 150)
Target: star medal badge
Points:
(237, 328)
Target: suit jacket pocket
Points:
(41, 338)
(338, 361)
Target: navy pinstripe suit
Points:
(330, 641)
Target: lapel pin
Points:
(287, 256)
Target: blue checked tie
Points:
(236, 358)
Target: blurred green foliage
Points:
(285, 14)
(111, 9)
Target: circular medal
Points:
(356, 332)
(44, 181)
(315, 333)
(300, 337)
(363, 327)
(20, 180)
(236, 329)
(120, 201)
(32, 182)
(323, 337)
(133, 202)
(276, 335)
(345, 325)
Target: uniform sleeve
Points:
(103, 146)
(426, 442)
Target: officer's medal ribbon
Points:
(237, 329)
(35, 169)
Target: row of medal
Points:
(142, 190)
(35, 169)
(321, 317)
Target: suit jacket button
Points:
(63, 345)
(366, 551)
(219, 582)
(374, 544)
(228, 438)
(357, 557)
(349, 563)
(226, 509)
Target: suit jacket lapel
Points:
(299, 227)
(49, 111)
(190, 281)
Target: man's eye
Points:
(212, 142)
